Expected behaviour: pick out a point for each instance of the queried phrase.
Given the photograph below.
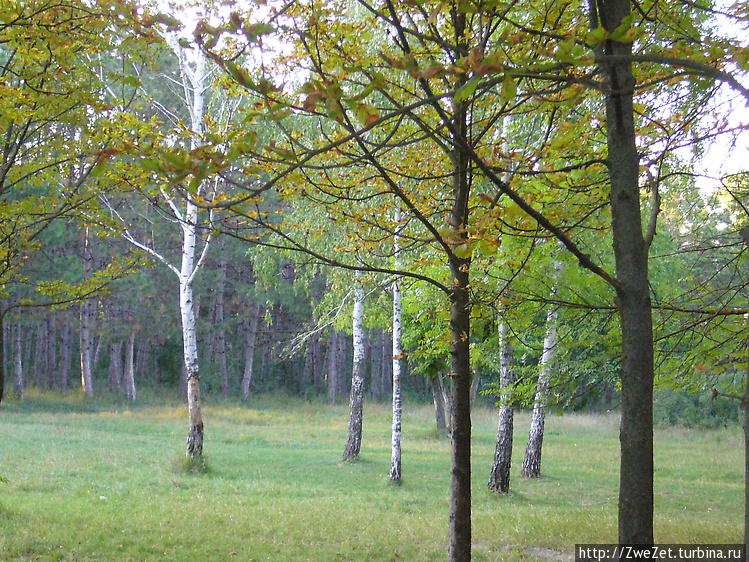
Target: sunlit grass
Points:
(99, 482)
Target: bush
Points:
(676, 407)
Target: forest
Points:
(469, 208)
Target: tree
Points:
(532, 458)
(356, 402)
(444, 77)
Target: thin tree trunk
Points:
(218, 320)
(40, 356)
(475, 384)
(52, 373)
(532, 458)
(356, 402)
(395, 441)
(129, 371)
(115, 366)
(7, 329)
(66, 356)
(249, 350)
(18, 365)
(633, 290)
(87, 323)
(444, 391)
(375, 365)
(499, 479)
(309, 376)
(342, 367)
(332, 365)
(439, 405)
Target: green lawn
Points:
(86, 482)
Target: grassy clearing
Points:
(87, 482)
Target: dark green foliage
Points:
(677, 407)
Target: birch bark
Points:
(356, 402)
(395, 456)
(499, 480)
(532, 458)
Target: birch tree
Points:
(395, 456)
(195, 82)
(356, 401)
(532, 458)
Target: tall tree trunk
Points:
(447, 403)
(129, 371)
(459, 543)
(439, 405)
(356, 402)
(88, 314)
(631, 256)
(52, 373)
(331, 361)
(475, 384)
(6, 354)
(115, 366)
(18, 365)
(342, 368)
(40, 356)
(249, 349)
(532, 459)
(218, 321)
(375, 365)
(395, 454)
(499, 479)
(66, 356)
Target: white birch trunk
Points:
(87, 320)
(129, 373)
(353, 442)
(532, 458)
(249, 353)
(499, 479)
(395, 440)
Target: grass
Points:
(100, 482)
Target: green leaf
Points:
(509, 88)
(467, 90)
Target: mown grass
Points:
(100, 482)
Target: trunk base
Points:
(195, 442)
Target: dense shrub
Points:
(676, 407)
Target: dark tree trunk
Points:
(459, 544)
(40, 356)
(28, 345)
(331, 361)
(631, 256)
(115, 366)
(459, 547)
(18, 365)
(66, 356)
(2, 358)
(447, 403)
(499, 479)
(746, 464)
(52, 373)
(387, 366)
(439, 406)
(475, 384)
(376, 365)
